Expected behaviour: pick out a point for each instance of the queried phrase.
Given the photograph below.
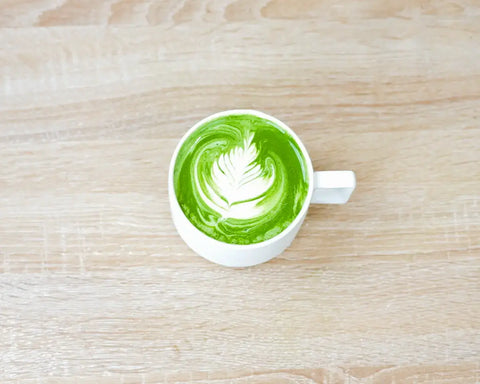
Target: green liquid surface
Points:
(240, 179)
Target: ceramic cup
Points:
(326, 187)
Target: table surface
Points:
(95, 284)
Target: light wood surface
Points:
(95, 284)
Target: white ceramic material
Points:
(329, 187)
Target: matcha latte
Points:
(240, 179)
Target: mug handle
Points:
(332, 187)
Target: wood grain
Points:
(95, 284)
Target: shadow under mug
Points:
(326, 187)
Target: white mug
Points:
(328, 187)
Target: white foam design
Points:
(238, 183)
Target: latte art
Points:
(240, 179)
(237, 183)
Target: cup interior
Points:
(305, 154)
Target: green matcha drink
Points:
(240, 179)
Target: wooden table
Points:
(97, 287)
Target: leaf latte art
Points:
(240, 179)
(236, 183)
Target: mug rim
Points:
(301, 214)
